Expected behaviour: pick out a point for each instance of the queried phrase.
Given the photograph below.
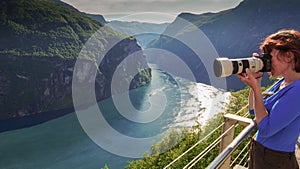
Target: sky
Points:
(149, 10)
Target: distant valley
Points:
(143, 32)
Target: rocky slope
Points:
(39, 44)
(234, 33)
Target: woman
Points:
(277, 116)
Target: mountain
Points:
(234, 33)
(143, 32)
(40, 43)
(96, 17)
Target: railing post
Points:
(227, 139)
(229, 120)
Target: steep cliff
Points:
(234, 33)
(39, 44)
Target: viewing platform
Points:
(228, 142)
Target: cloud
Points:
(139, 1)
(106, 7)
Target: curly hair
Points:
(284, 41)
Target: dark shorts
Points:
(265, 158)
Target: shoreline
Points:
(32, 120)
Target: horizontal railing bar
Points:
(192, 147)
(240, 153)
(239, 111)
(238, 119)
(197, 160)
(246, 155)
(208, 148)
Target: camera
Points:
(225, 67)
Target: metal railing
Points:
(228, 144)
(226, 141)
(226, 153)
(192, 147)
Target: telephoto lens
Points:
(224, 67)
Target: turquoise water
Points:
(61, 143)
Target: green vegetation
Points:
(160, 158)
(165, 151)
(44, 28)
(40, 42)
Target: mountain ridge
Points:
(235, 32)
(96, 17)
(38, 52)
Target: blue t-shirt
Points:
(281, 128)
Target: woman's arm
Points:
(250, 102)
(259, 107)
(284, 111)
(253, 80)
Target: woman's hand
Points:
(252, 79)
